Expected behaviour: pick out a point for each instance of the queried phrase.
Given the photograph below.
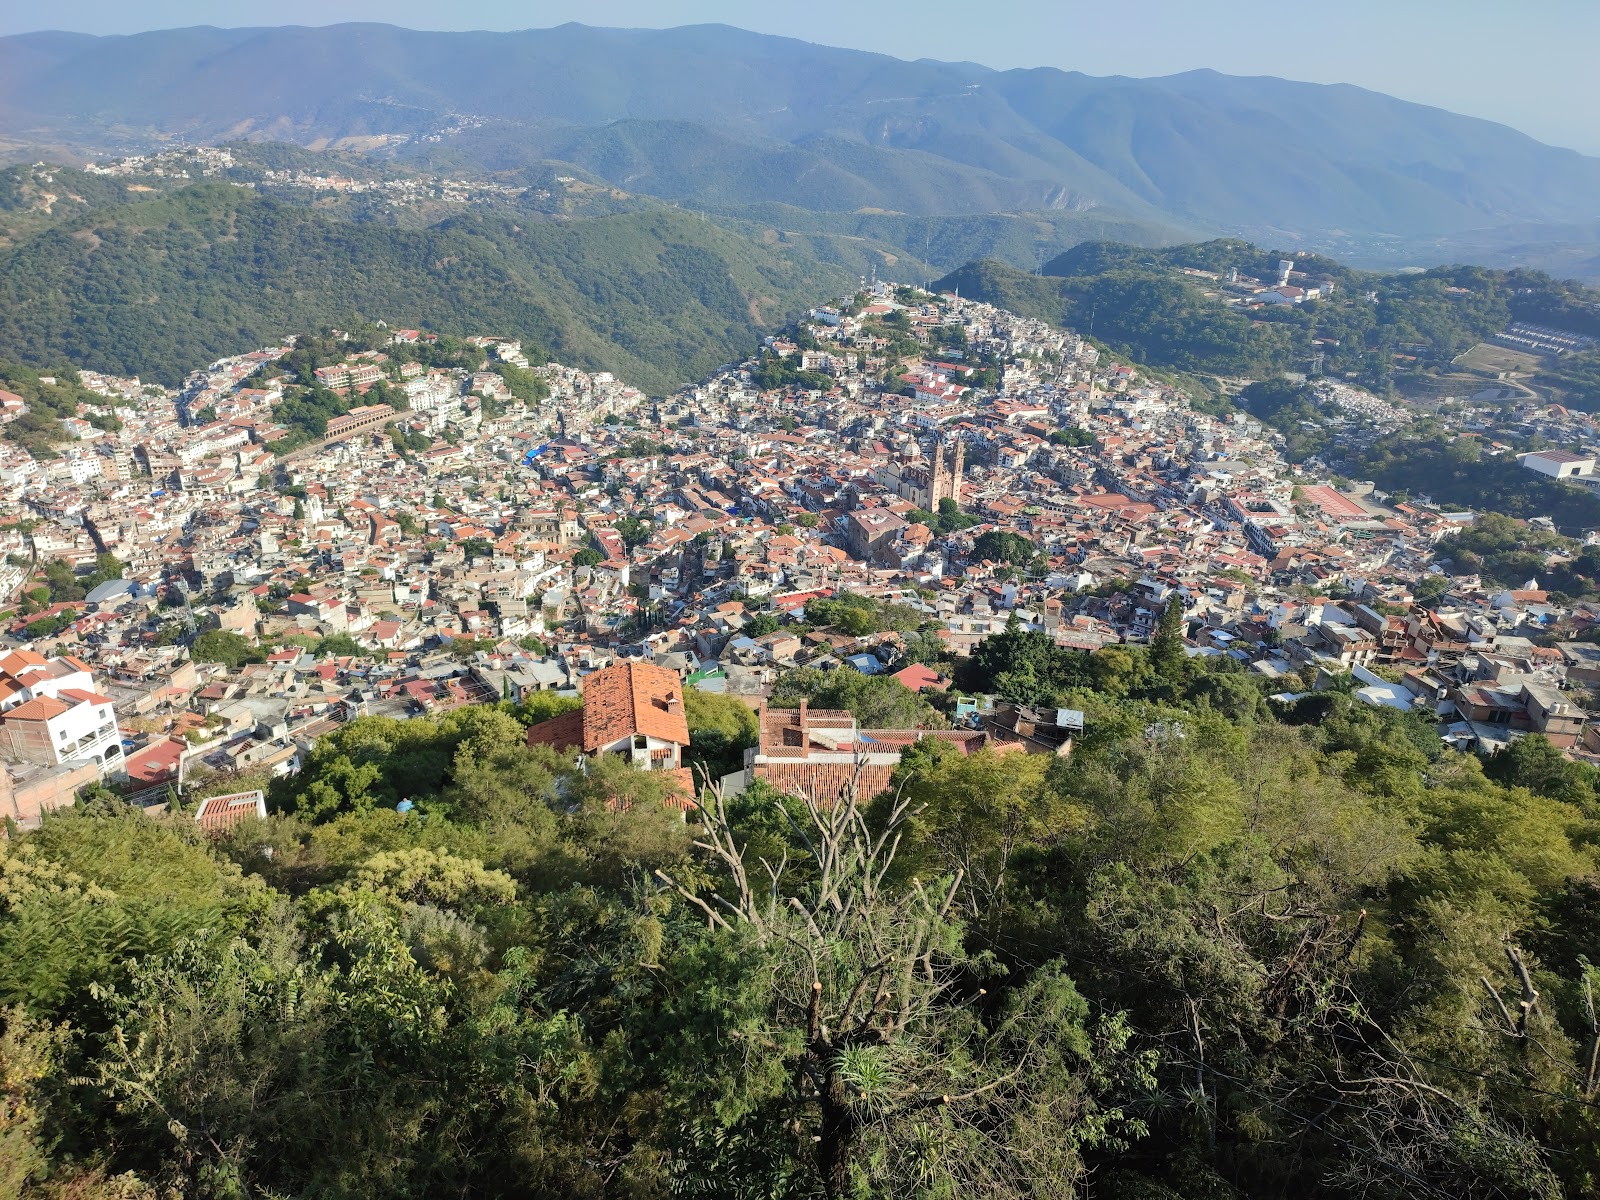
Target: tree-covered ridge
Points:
(35, 197)
(712, 114)
(1456, 473)
(1224, 948)
(50, 393)
(1139, 301)
(156, 286)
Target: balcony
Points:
(92, 745)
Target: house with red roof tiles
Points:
(820, 754)
(50, 713)
(218, 814)
(920, 678)
(633, 710)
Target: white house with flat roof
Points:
(1559, 464)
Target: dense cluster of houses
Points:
(537, 547)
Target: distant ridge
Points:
(713, 115)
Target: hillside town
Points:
(401, 191)
(974, 470)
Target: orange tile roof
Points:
(81, 696)
(155, 763)
(217, 813)
(781, 731)
(682, 797)
(18, 661)
(563, 732)
(916, 677)
(631, 698)
(40, 708)
(825, 783)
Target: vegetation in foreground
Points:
(1222, 950)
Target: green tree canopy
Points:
(224, 646)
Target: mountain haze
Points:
(709, 115)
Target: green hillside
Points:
(1382, 330)
(160, 286)
(1020, 239)
(1232, 949)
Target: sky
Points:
(1528, 65)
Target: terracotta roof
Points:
(82, 696)
(19, 660)
(966, 741)
(632, 698)
(824, 782)
(916, 677)
(563, 732)
(217, 813)
(780, 729)
(40, 708)
(682, 798)
(155, 763)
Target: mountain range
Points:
(717, 118)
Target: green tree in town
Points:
(868, 1039)
(224, 646)
(1167, 643)
(721, 728)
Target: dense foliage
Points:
(1293, 410)
(1214, 952)
(1509, 553)
(876, 701)
(1574, 379)
(774, 371)
(223, 646)
(998, 545)
(949, 518)
(860, 616)
(308, 406)
(1455, 472)
(39, 428)
(160, 286)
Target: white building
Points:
(1559, 464)
(51, 714)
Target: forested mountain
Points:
(161, 285)
(713, 115)
(1142, 302)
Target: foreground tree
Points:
(900, 1070)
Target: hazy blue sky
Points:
(1530, 65)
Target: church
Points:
(925, 486)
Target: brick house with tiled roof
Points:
(633, 710)
(820, 754)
